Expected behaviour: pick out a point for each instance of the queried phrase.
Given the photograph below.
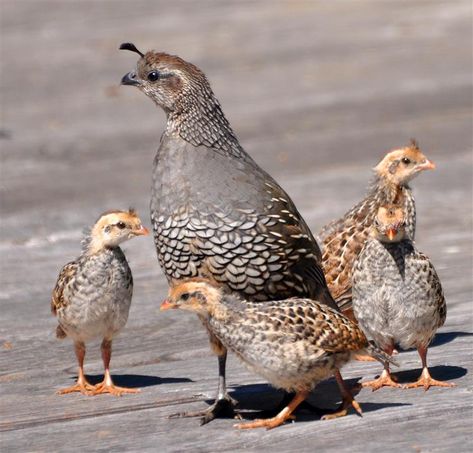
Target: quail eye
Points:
(153, 76)
(406, 161)
(185, 296)
(121, 225)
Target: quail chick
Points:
(215, 212)
(344, 238)
(293, 343)
(397, 295)
(93, 294)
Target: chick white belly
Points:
(101, 317)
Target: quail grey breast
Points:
(293, 343)
(215, 212)
(397, 295)
(344, 238)
(93, 294)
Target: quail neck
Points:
(184, 93)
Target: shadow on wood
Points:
(447, 337)
(135, 380)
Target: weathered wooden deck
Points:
(317, 91)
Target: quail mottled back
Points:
(397, 295)
(344, 238)
(215, 212)
(93, 294)
(293, 343)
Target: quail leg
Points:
(107, 385)
(385, 380)
(279, 419)
(82, 385)
(347, 402)
(425, 380)
(224, 404)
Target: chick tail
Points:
(378, 354)
(60, 333)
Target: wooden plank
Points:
(317, 92)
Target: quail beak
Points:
(167, 305)
(427, 165)
(130, 79)
(391, 233)
(142, 231)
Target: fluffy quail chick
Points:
(344, 238)
(293, 343)
(215, 212)
(397, 295)
(93, 294)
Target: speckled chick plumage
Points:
(344, 238)
(397, 295)
(215, 212)
(293, 343)
(93, 293)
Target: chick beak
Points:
(130, 79)
(142, 231)
(427, 165)
(167, 305)
(391, 233)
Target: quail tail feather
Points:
(378, 354)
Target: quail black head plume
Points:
(397, 295)
(294, 343)
(344, 238)
(93, 293)
(215, 212)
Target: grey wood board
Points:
(317, 93)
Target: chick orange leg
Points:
(284, 415)
(425, 380)
(107, 385)
(82, 385)
(385, 380)
(347, 402)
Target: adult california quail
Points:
(215, 212)
(93, 293)
(293, 343)
(397, 295)
(344, 238)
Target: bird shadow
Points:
(263, 401)
(136, 380)
(440, 372)
(447, 337)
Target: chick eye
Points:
(153, 76)
(406, 161)
(185, 296)
(121, 225)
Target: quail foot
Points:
(344, 238)
(93, 294)
(397, 295)
(293, 343)
(215, 212)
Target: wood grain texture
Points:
(317, 92)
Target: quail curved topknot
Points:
(92, 295)
(397, 295)
(344, 238)
(293, 343)
(215, 212)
